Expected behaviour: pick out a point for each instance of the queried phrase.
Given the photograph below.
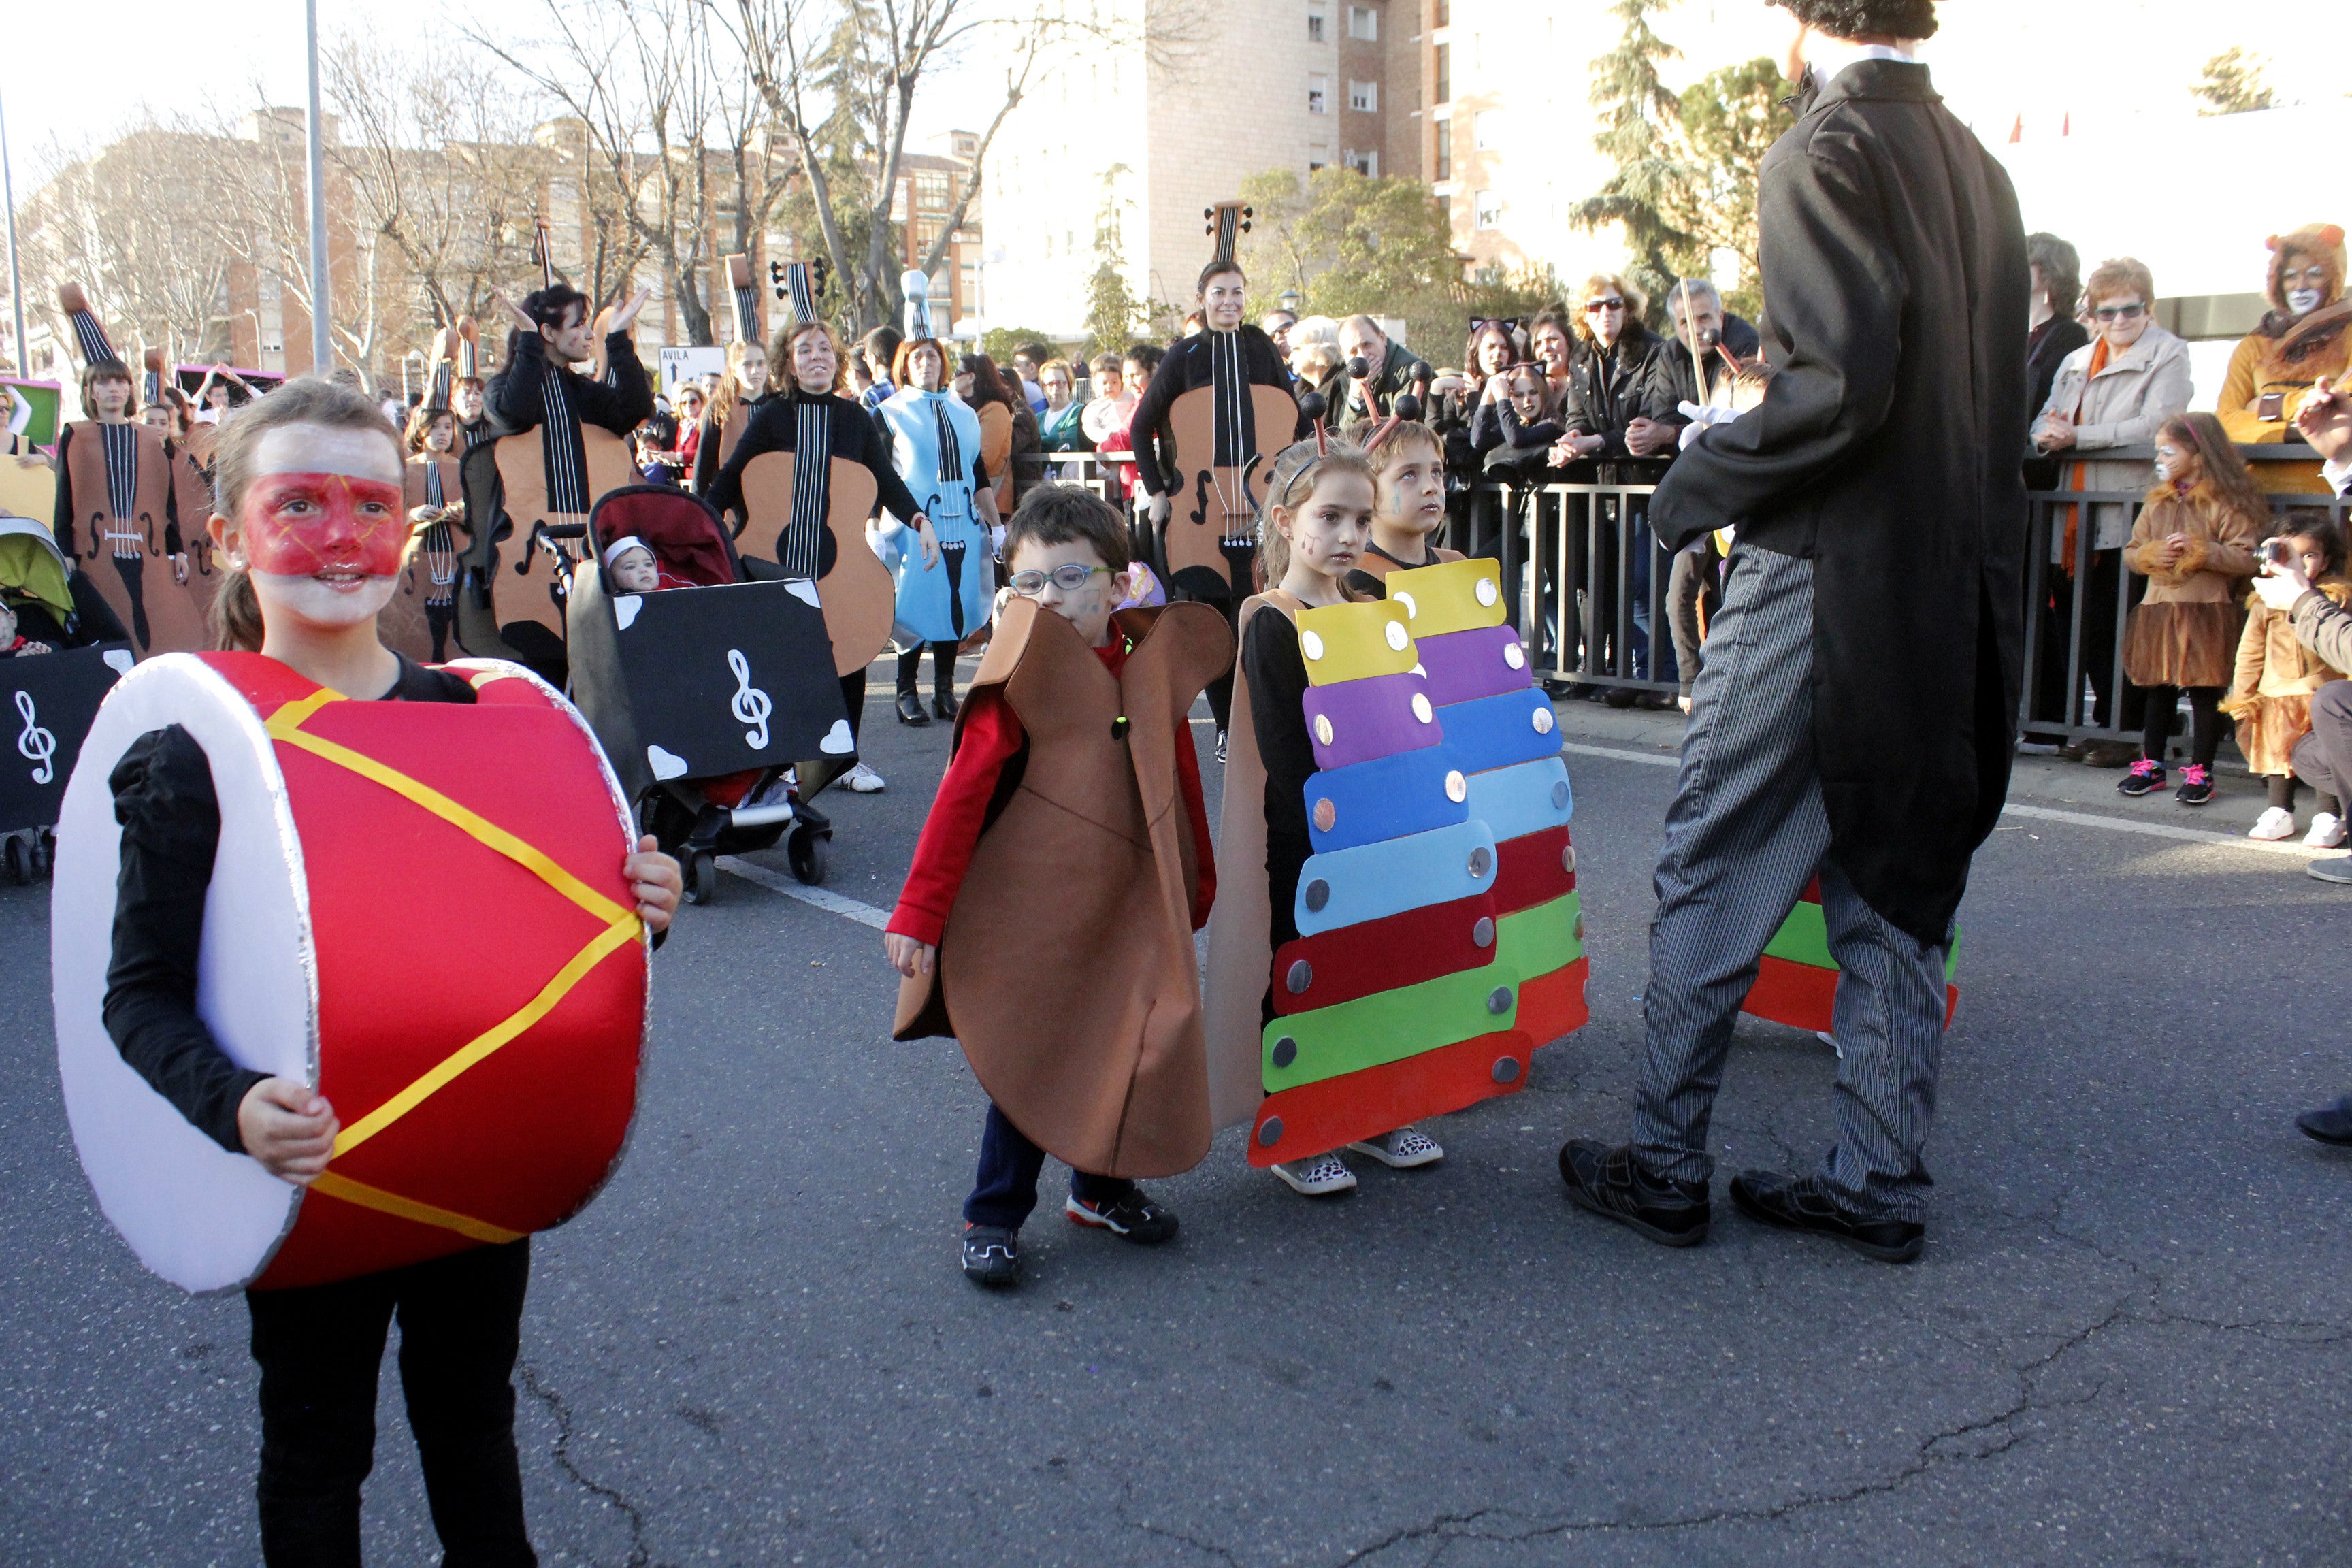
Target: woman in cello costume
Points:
(434, 499)
(810, 417)
(116, 498)
(1212, 388)
(943, 580)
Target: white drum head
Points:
(202, 1217)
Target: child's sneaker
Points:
(2327, 832)
(1401, 1150)
(1133, 1217)
(862, 780)
(2144, 778)
(2196, 785)
(991, 1255)
(2275, 822)
(1323, 1176)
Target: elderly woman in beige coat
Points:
(2116, 391)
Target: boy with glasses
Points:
(1047, 920)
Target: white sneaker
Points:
(1319, 1177)
(1401, 1150)
(863, 780)
(2275, 822)
(1831, 1041)
(2327, 832)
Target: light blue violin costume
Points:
(934, 440)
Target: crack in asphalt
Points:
(640, 1552)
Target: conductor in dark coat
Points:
(1854, 717)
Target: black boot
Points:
(910, 709)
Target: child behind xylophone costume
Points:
(311, 478)
(1047, 920)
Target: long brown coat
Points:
(1066, 969)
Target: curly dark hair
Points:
(1866, 18)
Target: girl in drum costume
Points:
(313, 474)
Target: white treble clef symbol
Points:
(34, 743)
(752, 704)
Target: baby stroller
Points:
(707, 691)
(47, 700)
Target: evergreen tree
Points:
(2232, 84)
(1113, 315)
(1638, 121)
(1729, 121)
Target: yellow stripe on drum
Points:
(376, 1198)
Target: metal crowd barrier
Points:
(1593, 586)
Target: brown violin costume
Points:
(1066, 969)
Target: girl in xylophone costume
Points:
(1418, 934)
(252, 928)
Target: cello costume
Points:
(118, 513)
(420, 621)
(935, 441)
(1061, 875)
(562, 439)
(807, 516)
(1416, 933)
(1232, 397)
(251, 875)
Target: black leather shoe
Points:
(1621, 696)
(991, 1255)
(911, 709)
(2331, 1124)
(945, 707)
(1606, 1181)
(1798, 1202)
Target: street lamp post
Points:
(16, 278)
(323, 351)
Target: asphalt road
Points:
(756, 1347)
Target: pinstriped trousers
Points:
(1746, 833)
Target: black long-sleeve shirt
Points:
(705, 450)
(1276, 674)
(776, 428)
(1186, 367)
(164, 797)
(515, 400)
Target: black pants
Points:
(320, 1347)
(2323, 759)
(131, 569)
(852, 697)
(1005, 1189)
(2205, 722)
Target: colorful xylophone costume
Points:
(1796, 984)
(1438, 935)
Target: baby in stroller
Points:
(657, 539)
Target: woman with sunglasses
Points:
(2116, 390)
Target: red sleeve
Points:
(990, 738)
(1188, 778)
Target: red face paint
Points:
(296, 525)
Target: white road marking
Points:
(2038, 812)
(778, 882)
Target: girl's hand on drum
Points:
(290, 1128)
(654, 878)
(907, 956)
